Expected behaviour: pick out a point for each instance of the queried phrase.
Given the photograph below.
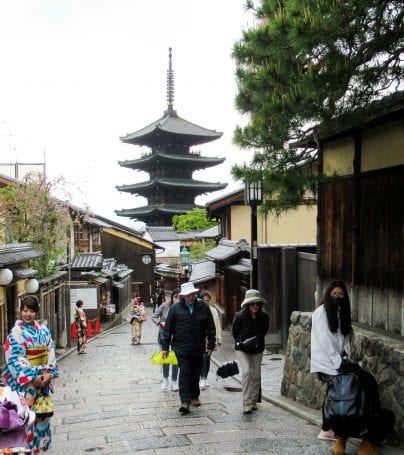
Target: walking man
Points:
(190, 330)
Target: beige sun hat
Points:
(251, 296)
(188, 289)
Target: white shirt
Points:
(326, 347)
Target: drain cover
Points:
(94, 449)
(232, 389)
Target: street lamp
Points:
(253, 198)
(184, 256)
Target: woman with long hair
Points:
(159, 318)
(331, 335)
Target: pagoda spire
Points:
(170, 86)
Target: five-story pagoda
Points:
(170, 190)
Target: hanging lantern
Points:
(6, 277)
(31, 286)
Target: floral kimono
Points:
(30, 352)
(138, 316)
(81, 322)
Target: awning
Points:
(20, 272)
(100, 279)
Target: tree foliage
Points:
(29, 213)
(195, 219)
(304, 63)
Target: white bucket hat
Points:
(251, 296)
(188, 289)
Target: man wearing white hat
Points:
(189, 325)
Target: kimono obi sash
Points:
(38, 355)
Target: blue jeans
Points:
(205, 365)
(190, 370)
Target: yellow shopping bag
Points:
(157, 358)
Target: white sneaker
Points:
(174, 386)
(202, 383)
(164, 384)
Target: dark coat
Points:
(245, 326)
(188, 332)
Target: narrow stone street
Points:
(109, 401)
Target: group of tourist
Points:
(190, 326)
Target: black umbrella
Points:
(228, 369)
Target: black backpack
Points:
(344, 401)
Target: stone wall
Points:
(380, 355)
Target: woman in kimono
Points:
(81, 322)
(31, 367)
(138, 316)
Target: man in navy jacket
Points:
(190, 330)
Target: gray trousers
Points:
(250, 376)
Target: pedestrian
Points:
(207, 297)
(138, 317)
(250, 325)
(153, 300)
(161, 298)
(189, 323)
(331, 335)
(15, 418)
(81, 323)
(159, 318)
(31, 367)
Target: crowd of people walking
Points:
(188, 324)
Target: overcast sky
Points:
(76, 75)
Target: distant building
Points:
(170, 190)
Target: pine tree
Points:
(307, 63)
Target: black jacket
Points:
(245, 326)
(187, 331)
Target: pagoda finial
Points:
(170, 84)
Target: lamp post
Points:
(184, 258)
(253, 198)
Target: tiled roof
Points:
(197, 161)
(202, 271)
(210, 233)
(242, 266)
(16, 253)
(161, 208)
(227, 249)
(172, 183)
(20, 272)
(87, 261)
(172, 124)
(162, 233)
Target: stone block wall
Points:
(380, 355)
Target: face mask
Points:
(336, 300)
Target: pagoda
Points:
(170, 190)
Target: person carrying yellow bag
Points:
(158, 359)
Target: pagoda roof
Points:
(171, 125)
(172, 183)
(148, 210)
(193, 159)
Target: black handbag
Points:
(249, 345)
(228, 369)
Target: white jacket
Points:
(326, 347)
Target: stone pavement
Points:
(109, 402)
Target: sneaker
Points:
(202, 383)
(184, 408)
(247, 408)
(174, 386)
(338, 448)
(195, 402)
(367, 448)
(328, 435)
(164, 384)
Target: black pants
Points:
(378, 422)
(188, 381)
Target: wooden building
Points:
(170, 190)
(361, 213)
